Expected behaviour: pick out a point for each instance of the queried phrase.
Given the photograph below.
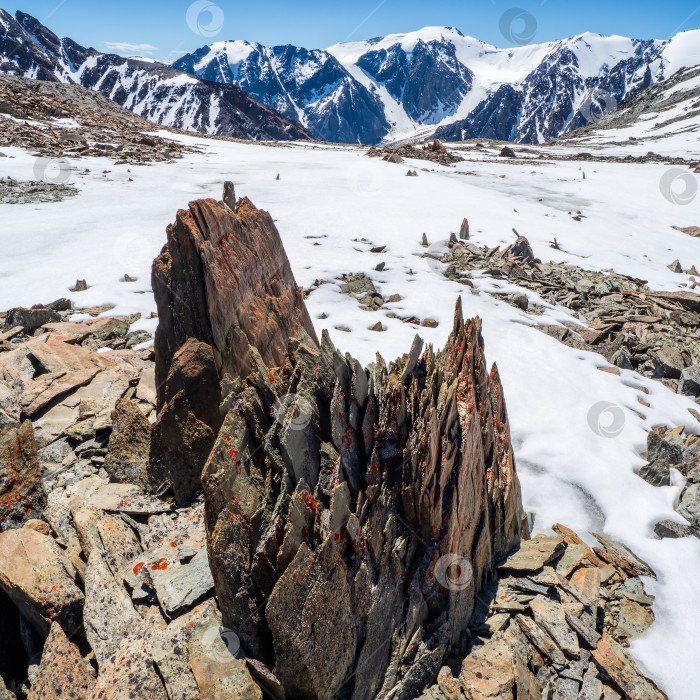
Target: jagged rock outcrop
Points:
(365, 516)
(224, 281)
(352, 514)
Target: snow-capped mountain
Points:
(664, 119)
(150, 89)
(433, 82)
(311, 87)
(438, 81)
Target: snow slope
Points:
(332, 204)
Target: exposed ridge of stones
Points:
(557, 624)
(224, 281)
(361, 535)
(632, 326)
(337, 525)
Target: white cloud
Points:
(126, 47)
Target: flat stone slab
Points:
(56, 356)
(534, 554)
(47, 388)
(614, 659)
(178, 567)
(120, 498)
(624, 558)
(34, 577)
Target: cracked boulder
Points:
(22, 494)
(34, 577)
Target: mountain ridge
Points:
(155, 91)
(439, 81)
(432, 83)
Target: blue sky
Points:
(164, 29)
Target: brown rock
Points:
(34, 577)
(53, 355)
(614, 660)
(30, 319)
(22, 495)
(332, 610)
(339, 500)
(47, 388)
(521, 250)
(690, 230)
(624, 558)
(225, 280)
(129, 445)
(488, 672)
(533, 554)
(587, 581)
(62, 673)
(570, 537)
(189, 419)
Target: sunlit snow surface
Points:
(326, 200)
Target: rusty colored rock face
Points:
(22, 495)
(354, 514)
(224, 279)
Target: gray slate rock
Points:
(690, 381)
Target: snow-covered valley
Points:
(333, 205)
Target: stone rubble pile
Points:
(555, 625)
(633, 327)
(433, 151)
(23, 192)
(670, 449)
(29, 110)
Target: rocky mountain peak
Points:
(29, 49)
